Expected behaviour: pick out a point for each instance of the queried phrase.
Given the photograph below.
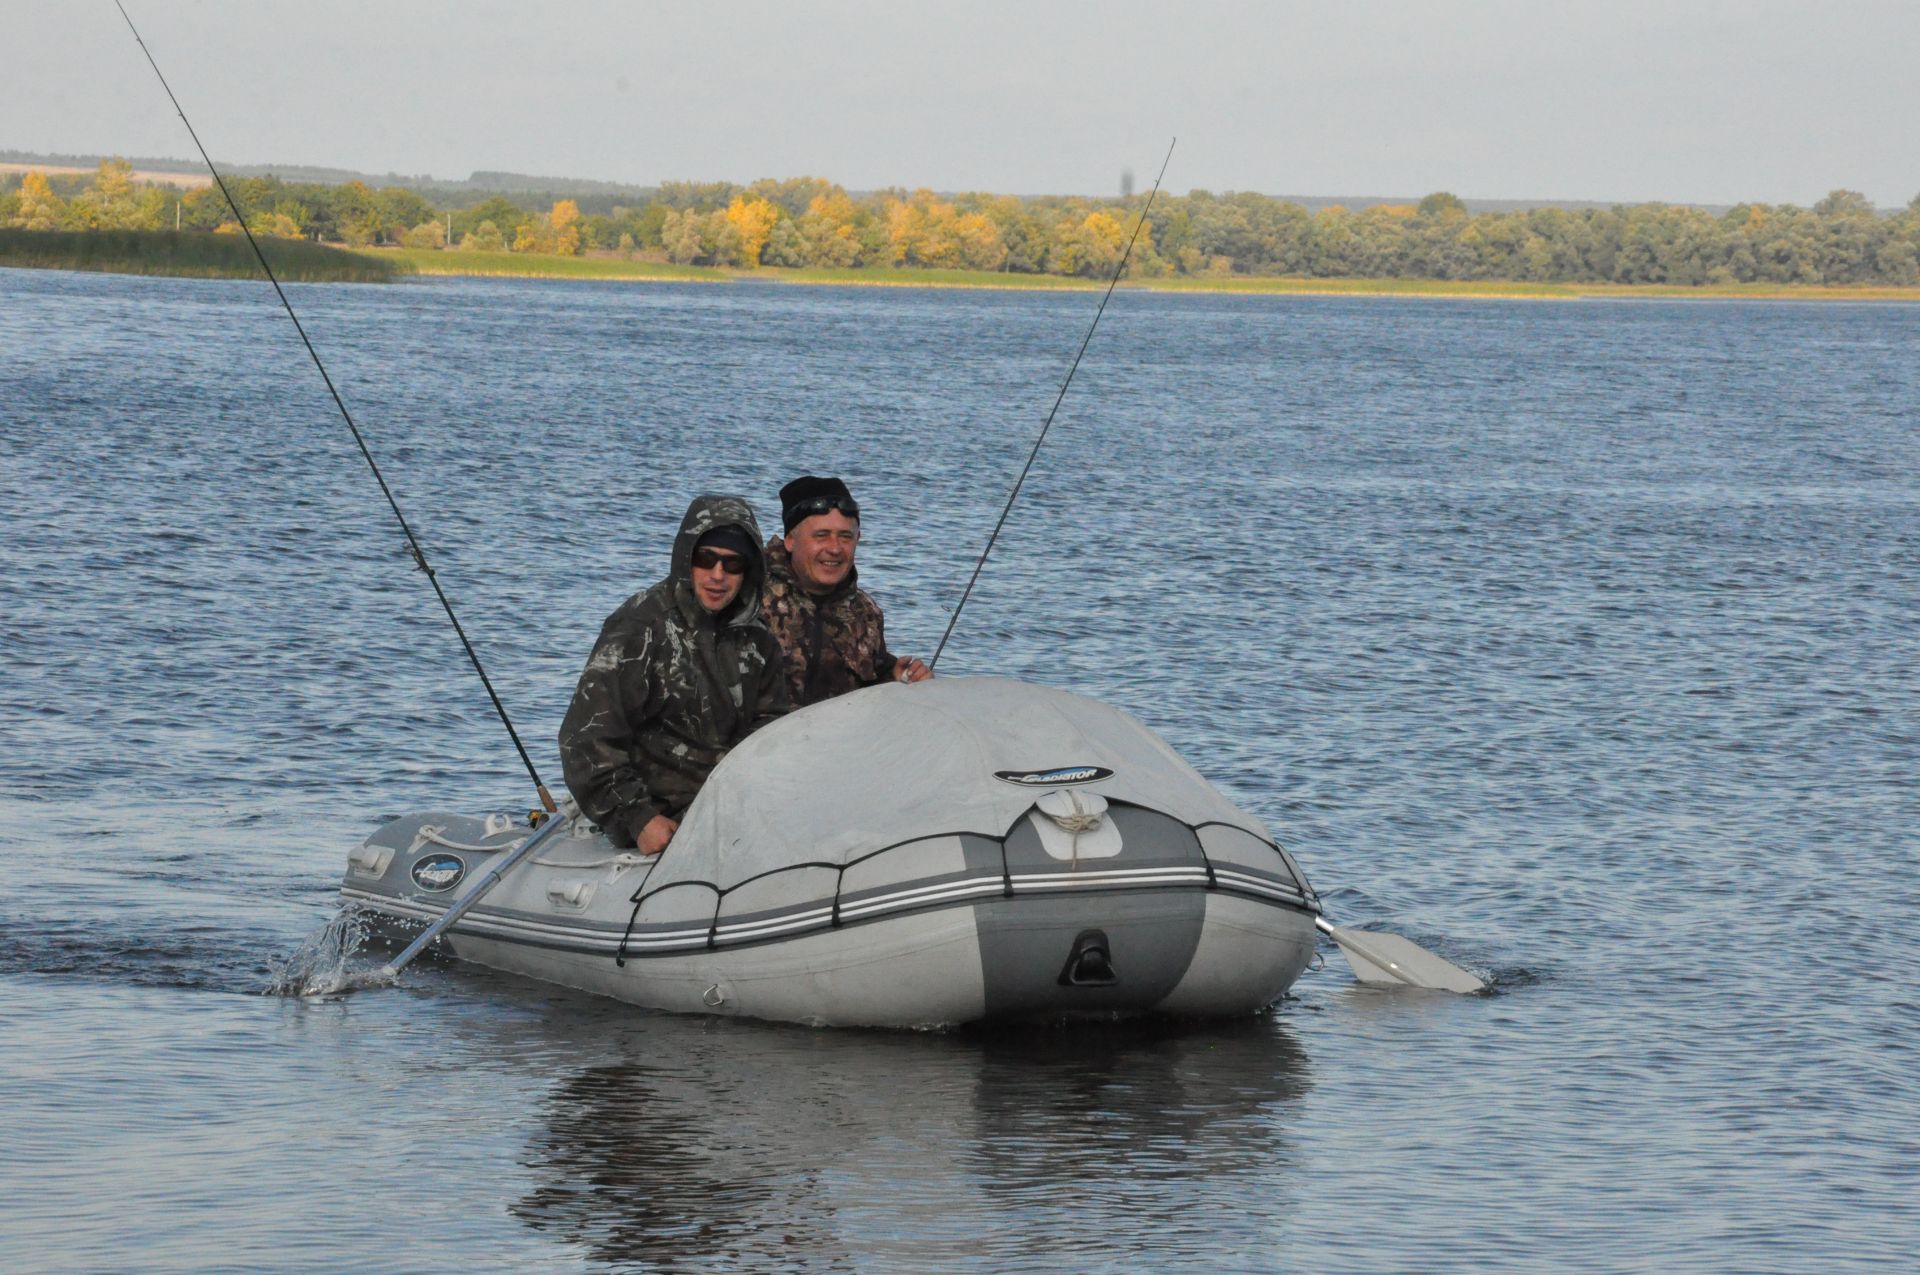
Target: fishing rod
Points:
(413, 542)
(1118, 270)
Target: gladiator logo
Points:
(1059, 777)
(438, 873)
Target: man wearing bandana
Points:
(831, 634)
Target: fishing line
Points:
(1118, 270)
(413, 543)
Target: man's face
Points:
(822, 549)
(714, 585)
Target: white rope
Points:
(616, 860)
(620, 863)
(437, 835)
(1076, 823)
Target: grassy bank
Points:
(190, 254)
(533, 266)
(165, 252)
(529, 265)
(1499, 288)
(1747, 291)
(1362, 287)
(885, 278)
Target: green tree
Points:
(113, 202)
(1840, 203)
(696, 196)
(485, 237)
(496, 209)
(786, 245)
(680, 235)
(356, 211)
(399, 210)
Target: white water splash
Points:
(323, 964)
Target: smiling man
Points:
(831, 634)
(682, 672)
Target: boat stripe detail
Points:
(691, 936)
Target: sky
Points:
(1711, 102)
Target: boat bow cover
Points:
(896, 763)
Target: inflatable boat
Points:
(958, 850)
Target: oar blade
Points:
(1377, 957)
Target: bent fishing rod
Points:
(413, 542)
(1118, 270)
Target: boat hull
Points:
(942, 931)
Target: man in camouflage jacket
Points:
(831, 634)
(682, 672)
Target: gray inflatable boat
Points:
(953, 851)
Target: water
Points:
(1573, 641)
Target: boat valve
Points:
(1090, 963)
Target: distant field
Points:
(190, 254)
(186, 181)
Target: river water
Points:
(1574, 641)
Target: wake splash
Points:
(324, 964)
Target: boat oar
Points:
(1377, 957)
(474, 894)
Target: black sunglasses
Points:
(821, 504)
(731, 563)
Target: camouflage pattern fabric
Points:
(829, 644)
(670, 687)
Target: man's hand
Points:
(659, 831)
(908, 669)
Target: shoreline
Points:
(457, 263)
(450, 263)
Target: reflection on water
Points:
(751, 1146)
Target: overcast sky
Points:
(1707, 102)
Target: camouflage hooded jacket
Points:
(829, 644)
(670, 687)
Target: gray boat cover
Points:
(896, 763)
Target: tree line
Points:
(808, 221)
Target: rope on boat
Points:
(1077, 821)
(620, 863)
(437, 835)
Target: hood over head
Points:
(709, 513)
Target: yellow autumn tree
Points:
(922, 231)
(981, 247)
(564, 228)
(1090, 247)
(532, 235)
(753, 220)
(113, 202)
(39, 207)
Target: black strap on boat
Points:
(1118, 270)
(413, 543)
(633, 918)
